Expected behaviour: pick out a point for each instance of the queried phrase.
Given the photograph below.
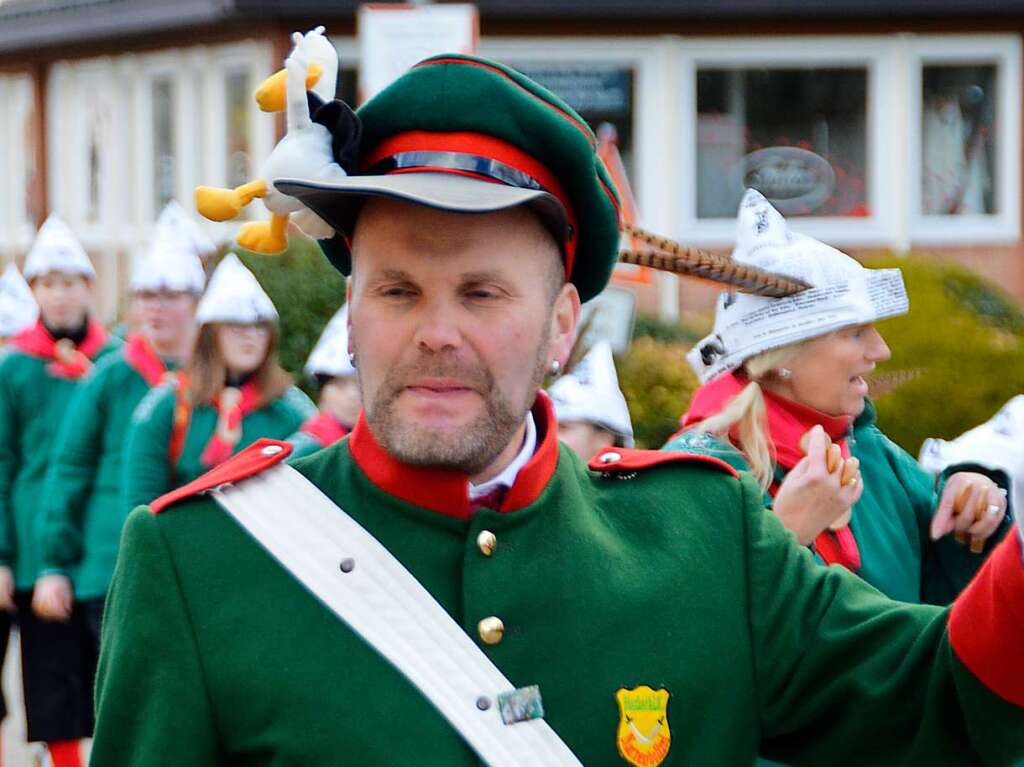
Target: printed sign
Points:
(395, 36)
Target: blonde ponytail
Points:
(745, 416)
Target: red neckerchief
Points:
(232, 406)
(141, 357)
(446, 491)
(324, 428)
(788, 421)
(67, 360)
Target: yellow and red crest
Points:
(643, 738)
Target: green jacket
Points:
(670, 576)
(83, 513)
(33, 405)
(147, 474)
(890, 521)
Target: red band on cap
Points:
(481, 145)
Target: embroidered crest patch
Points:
(643, 737)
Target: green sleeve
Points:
(70, 475)
(298, 407)
(302, 445)
(9, 460)
(147, 473)
(847, 677)
(152, 703)
(946, 566)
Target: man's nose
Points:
(437, 328)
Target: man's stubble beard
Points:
(472, 448)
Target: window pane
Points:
(237, 98)
(598, 94)
(798, 136)
(958, 170)
(163, 142)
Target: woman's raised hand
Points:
(820, 490)
(972, 508)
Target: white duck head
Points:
(322, 72)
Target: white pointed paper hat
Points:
(330, 355)
(234, 295)
(57, 250)
(590, 393)
(18, 308)
(842, 293)
(997, 444)
(174, 259)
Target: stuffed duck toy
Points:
(309, 149)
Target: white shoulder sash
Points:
(348, 570)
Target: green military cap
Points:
(464, 134)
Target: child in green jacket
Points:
(40, 370)
(235, 392)
(82, 514)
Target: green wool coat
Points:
(147, 473)
(83, 512)
(891, 520)
(671, 576)
(33, 406)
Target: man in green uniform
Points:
(39, 372)
(646, 608)
(82, 515)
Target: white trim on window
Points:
(876, 54)
(1003, 51)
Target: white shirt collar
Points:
(507, 477)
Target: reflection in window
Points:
(958, 172)
(799, 136)
(163, 142)
(598, 94)
(237, 98)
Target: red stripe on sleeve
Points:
(986, 626)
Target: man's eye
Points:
(396, 292)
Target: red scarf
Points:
(788, 421)
(67, 360)
(232, 405)
(143, 360)
(324, 428)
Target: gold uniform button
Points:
(486, 542)
(491, 630)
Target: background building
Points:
(899, 122)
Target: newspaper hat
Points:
(234, 295)
(57, 250)
(173, 261)
(18, 307)
(842, 293)
(590, 393)
(997, 444)
(330, 355)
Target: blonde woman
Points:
(233, 393)
(776, 369)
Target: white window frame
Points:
(652, 60)
(1004, 52)
(875, 53)
(16, 93)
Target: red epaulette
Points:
(259, 456)
(612, 459)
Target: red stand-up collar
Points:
(446, 491)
